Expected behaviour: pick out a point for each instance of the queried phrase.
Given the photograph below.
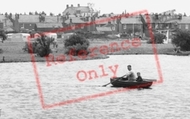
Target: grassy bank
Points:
(12, 51)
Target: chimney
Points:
(78, 5)
(71, 5)
(70, 21)
(67, 6)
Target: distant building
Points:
(74, 15)
(104, 24)
(79, 11)
(130, 25)
(28, 21)
(1, 25)
(45, 27)
(73, 22)
(184, 23)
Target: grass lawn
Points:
(12, 51)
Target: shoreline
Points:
(13, 53)
(43, 59)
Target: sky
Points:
(115, 6)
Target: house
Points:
(109, 28)
(32, 22)
(78, 10)
(130, 25)
(74, 15)
(102, 21)
(53, 19)
(74, 21)
(28, 21)
(1, 25)
(184, 23)
(6, 23)
(2, 21)
(45, 27)
(166, 21)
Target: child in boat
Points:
(139, 78)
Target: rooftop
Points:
(77, 10)
(184, 20)
(75, 20)
(131, 20)
(48, 25)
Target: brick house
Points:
(2, 21)
(131, 25)
(107, 26)
(72, 21)
(28, 21)
(165, 21)
(1, 25)
(45, 27)
(184, 23)
(78, 11)
(6, 23)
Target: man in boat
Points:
(130, 76)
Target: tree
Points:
(30, 13)
(6, 14)
(41, 18)
(156, 16)
(36, 13)
(51, 14)
(179, 16)
(41, 46)
(182, 39)
(43, 13)
(184, 15)
(158, 38)
(76, 45)
(2, 37)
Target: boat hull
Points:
(119, 82)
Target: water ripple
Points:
(19, 96)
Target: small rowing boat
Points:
(119, 82)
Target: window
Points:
(161, 26)
(113, 28)
(186, 26)
(124, 26)
(179, 26)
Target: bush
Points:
(182, 39)
(158, 38)
(76, 45)
(41, 46)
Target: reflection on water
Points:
(19, 97)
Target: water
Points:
(20, 99)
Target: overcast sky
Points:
(105, 6)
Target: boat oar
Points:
(113, 81)
(106, 84)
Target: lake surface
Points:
(20, 99)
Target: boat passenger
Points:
(130, 76)
(139, 78)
